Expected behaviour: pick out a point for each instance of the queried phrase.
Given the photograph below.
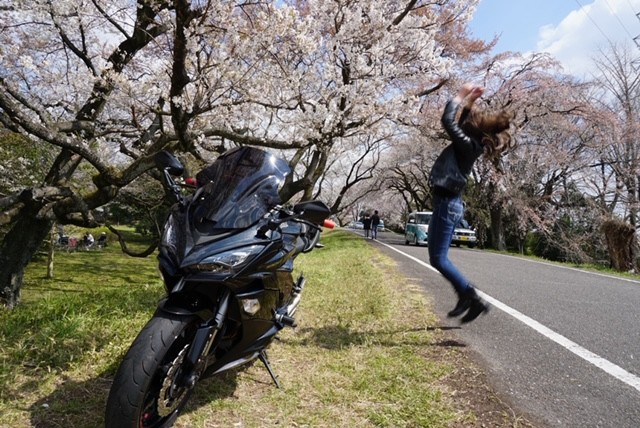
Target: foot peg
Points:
(286, 320)
(299, 285)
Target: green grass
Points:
(362, 356)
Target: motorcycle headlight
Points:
(227, 262)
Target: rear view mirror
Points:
(166, 161)
(313, 211)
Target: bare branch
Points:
(125, 249)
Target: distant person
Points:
(102, 240)
(366, 223)
(474, 134)
(88, 240)
(375, 221)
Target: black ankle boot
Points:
(464, 302)
(478, 307)
(461, 307)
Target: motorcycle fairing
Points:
(236, 191)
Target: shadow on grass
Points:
(338, 337)
(72, 404)
(82, 404)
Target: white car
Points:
(464, 235)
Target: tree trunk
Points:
(16, 250)
(497, 229)
(621, 242)
(51, 255)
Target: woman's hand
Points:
(464, 91)
(469, 90)
(475, 93)
(468, 94)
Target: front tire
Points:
(144, 392)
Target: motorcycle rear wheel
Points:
(144, 392)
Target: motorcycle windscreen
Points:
(238, 189)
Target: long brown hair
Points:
(491, 128)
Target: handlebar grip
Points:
(329, 224)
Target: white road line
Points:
(601, 363)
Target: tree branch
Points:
(125, 249)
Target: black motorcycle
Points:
(226, 258)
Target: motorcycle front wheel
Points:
(146, 391)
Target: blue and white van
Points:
(416, 230)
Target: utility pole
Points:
(636, 63)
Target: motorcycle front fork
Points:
(202, 342)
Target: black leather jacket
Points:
(451, 169)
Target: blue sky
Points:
(571, 30)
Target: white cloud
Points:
(582, 33)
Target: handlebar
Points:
(280, 214)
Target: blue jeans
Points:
(447, 212)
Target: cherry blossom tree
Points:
(618, 183)
(548, 108)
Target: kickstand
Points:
(263, 357)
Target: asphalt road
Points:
(561, 345)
